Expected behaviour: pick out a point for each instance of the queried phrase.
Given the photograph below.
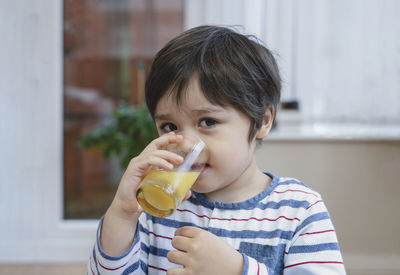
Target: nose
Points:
(189, 142)
(185, 146)
(193, 148)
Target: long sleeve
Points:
(314, 248)
(132, 261)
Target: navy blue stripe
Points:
(247, 206)
(154, 250)
(143, 230)
(245, 264)
(313, 218)
(131, 268)
(143, 266)
(200, 200)
(135, 266)
(291, 203)
(251, 234)
(95, 261)
(158, 251)
(271, 205)
(294, 181)
(313, 248)
(170, 223)
(144, 248)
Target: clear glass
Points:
(160, 192)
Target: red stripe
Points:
(313, 262)
(317, 232)
(107, 268)
(160, 236)
(91, 268)
(158, 268)
(258, 268)
(292, 190)
(314, 204)
(242, 220)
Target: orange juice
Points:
(160, 192)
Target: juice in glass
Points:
(160, 191)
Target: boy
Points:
(223, 87)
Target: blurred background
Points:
(72, 79)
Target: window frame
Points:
(33, 228)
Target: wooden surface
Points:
(59, 269)
(80, 269)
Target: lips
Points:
(205, 167)
(200, 167)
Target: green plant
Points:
(125, 133)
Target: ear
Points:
(267, 123)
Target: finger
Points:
(164, 140)
(159, 158)
(176, 271)
(181, 243)
(188, 195)
(177, 257)
(143, 163)
(159, 163)
(188, 231)
(169, 156)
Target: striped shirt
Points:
(286, 229)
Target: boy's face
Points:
(230, 165)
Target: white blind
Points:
(340, 59)
(348, 56)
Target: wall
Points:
(31, 198)
(358, 180)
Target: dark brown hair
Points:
(232, 69)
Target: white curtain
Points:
(348, 66)
(339, 58)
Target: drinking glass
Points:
(161, 191)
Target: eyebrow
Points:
(199, 112)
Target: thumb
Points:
(188, 194)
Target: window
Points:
(108, 47)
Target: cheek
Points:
(230, 154)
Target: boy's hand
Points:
(120, 221)
(201, 252)
(153, 156)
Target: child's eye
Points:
(168, 127)
(207, 122)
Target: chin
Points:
(197, 187)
